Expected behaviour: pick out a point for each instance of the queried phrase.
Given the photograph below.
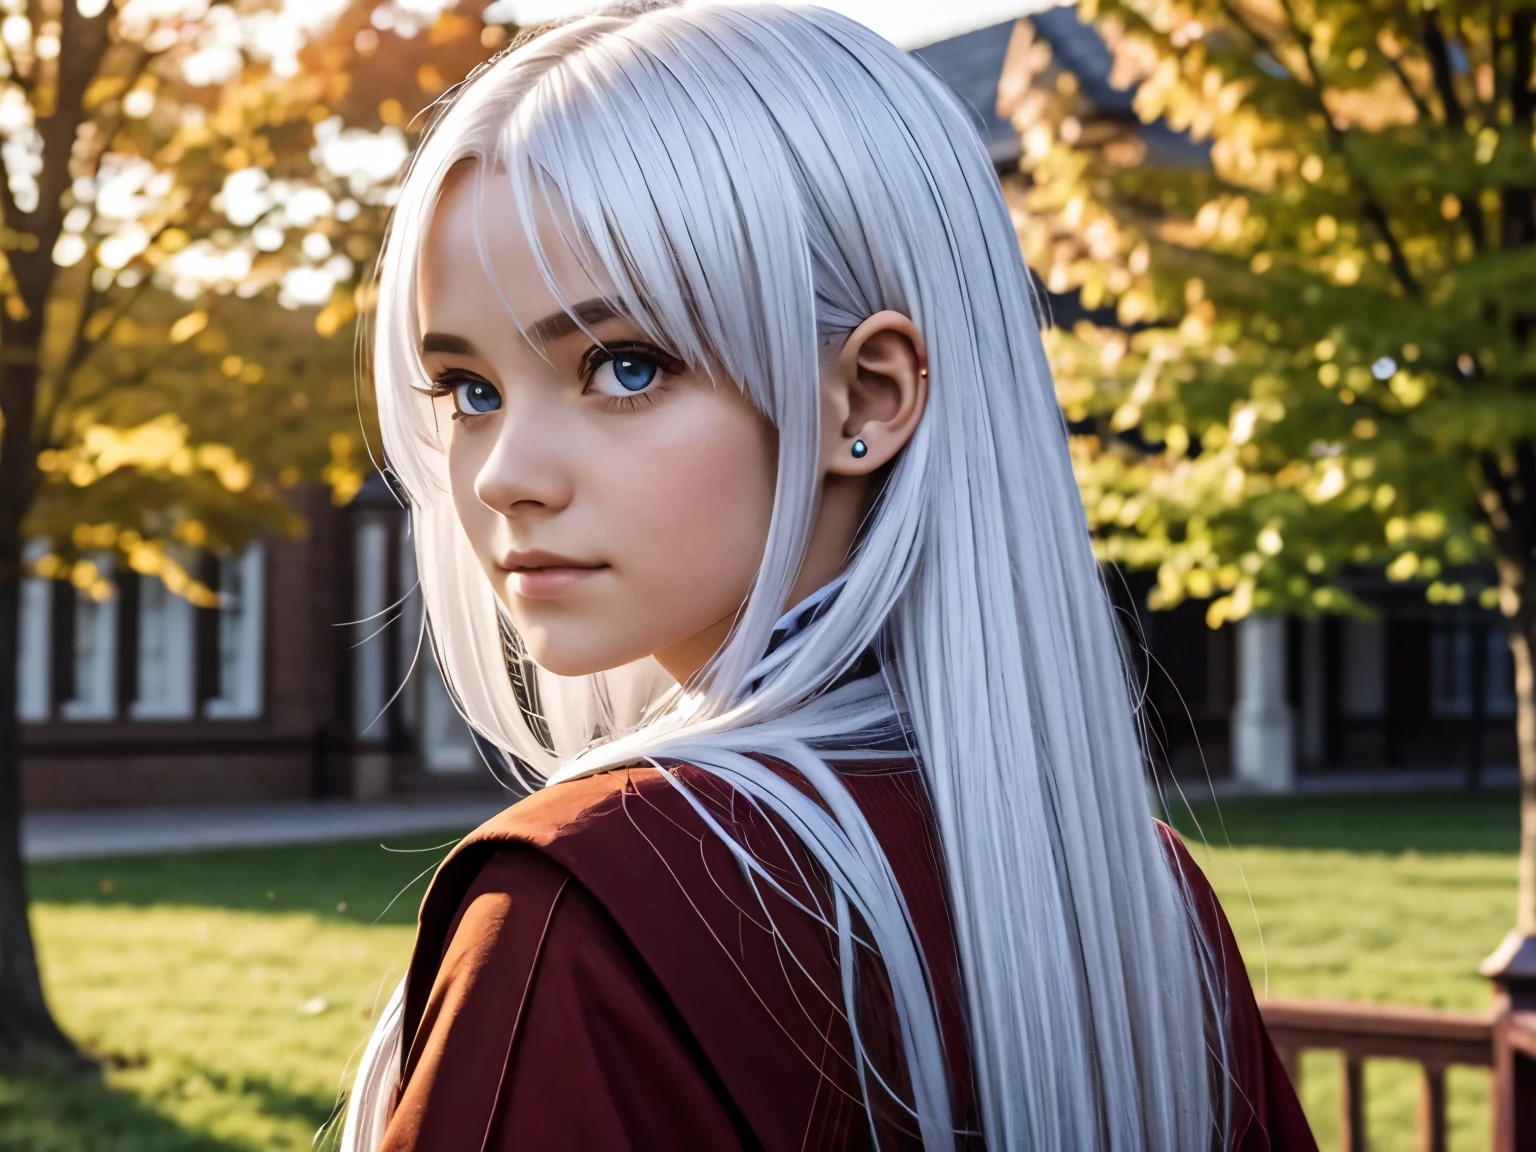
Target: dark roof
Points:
(971, 65)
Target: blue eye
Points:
(475, 398)
(624, 374)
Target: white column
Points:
(370, 624)
(413, 651)
(371, 767)
(1263, 736)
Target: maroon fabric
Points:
(593, 971)
(1264, 1114)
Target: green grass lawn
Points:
(229, 992)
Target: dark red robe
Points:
(593, 972)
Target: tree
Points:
(187, 193)
(1317, 336)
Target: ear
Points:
(873, 394)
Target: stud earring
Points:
(860, 449)
(922, 371)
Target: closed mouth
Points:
(544, 561)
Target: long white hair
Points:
(752, 180)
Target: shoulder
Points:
(533, 1016)
(621, 869)
(638, 845)
(564, 810)
(514, 867)
(466, 991)
(557, 827)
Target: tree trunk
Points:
(1511, 508)
(28, 1034)
(1512, 516)
(27, 1031)
(1522, 645)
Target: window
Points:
(95, 654)
(240, 669)
(445, 740)
(1450, 670)
(33, 664)
(1364, 689)
(442, 737)
(1501, 672)
(167, 654)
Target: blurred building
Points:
(312, 677)
(1422, 686)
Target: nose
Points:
(525, 470)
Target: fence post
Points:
(1352, 1104)
(1432, 1119)
(1512, 968)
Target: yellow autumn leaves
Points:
(158, 447)
(147, 557)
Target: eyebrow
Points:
(563, 323)
(552, 327)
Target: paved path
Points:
(85, 833)
(1358, 781)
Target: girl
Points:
(745, 520)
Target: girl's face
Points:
(618, 502)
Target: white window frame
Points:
(95, 654)
(242, 636)
(444, 736)
(167, 655)
(34, 657)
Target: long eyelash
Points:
(600, 354)
(630, 403)
(443, 384)
(440, 385)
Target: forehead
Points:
(456, 288)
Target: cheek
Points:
(689, 512)
(466, 457)
(706, 507)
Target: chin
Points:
(575, 655)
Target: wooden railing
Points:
(1430, 1038)
(1514, 1081)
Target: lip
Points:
(540, 575)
